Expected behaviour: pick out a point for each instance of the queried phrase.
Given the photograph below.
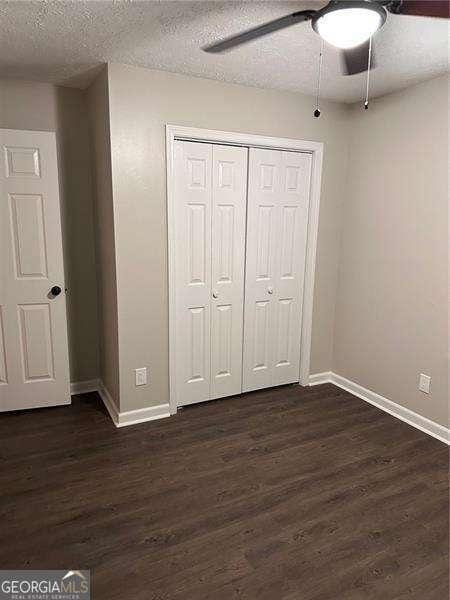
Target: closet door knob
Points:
(56, 290)
(270, 290)
(215, 295)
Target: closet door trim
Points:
(175, 132)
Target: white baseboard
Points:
(131, 417)
(141, 415)
(408, 416)
(319, 378)
(108, 402)
(120, 419)
(83, 387)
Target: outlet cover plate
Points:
(424, 383)
(141, 376)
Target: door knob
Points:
(270, 290)
(215, 295)
(56, 290)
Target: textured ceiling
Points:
(65, 42)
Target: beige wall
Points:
(381, 296)
(43, 107)
(392, 301)
(105, 229)
(141, 103)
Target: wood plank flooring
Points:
(286, 494)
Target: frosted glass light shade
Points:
(348, 27)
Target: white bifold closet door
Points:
(277, 217)
(210, 184)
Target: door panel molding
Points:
(315, 149)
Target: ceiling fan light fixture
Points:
(349, 24)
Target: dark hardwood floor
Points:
(285, 494)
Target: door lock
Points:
(215, 295)
(270, 290)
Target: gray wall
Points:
(43, 107)
(105, 236)
(142, 101)
(392, 301)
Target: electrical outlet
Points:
(424, 383)
(141, 376)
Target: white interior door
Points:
(229, 200)
(277, 217)
(34, 365)
(209, 242)
(192, 232)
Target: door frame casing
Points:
(248, 140)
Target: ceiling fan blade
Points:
(421, 8)
(257, 32)
(355, 60)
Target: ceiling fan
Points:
(345, 24)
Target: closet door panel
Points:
(192, 228)
(229, 189)
(264, 182)
(292, 233)
(278, 199)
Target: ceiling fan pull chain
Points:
(366, 103)
(319, 75)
